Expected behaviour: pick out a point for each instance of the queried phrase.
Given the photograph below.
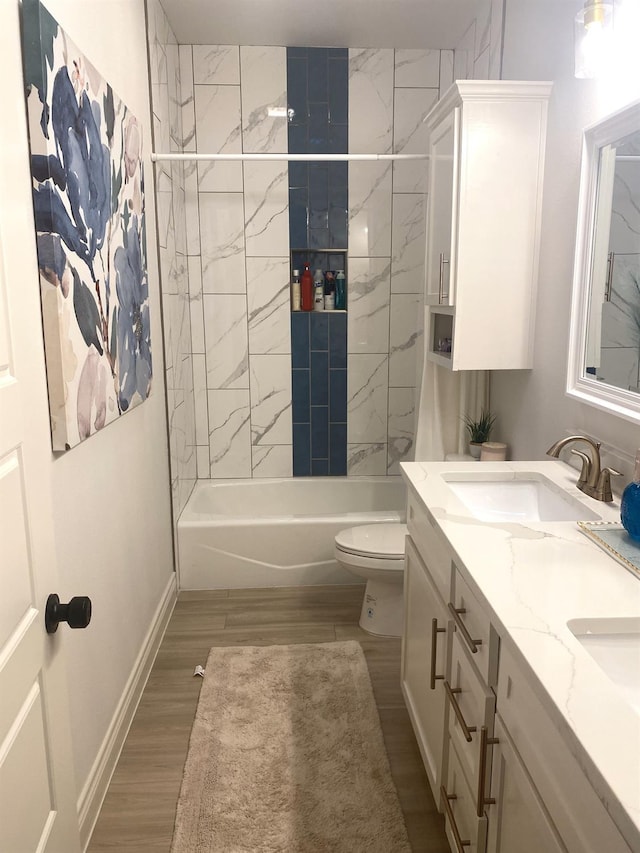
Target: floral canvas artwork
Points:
(88, 200)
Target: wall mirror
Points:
(604, 347)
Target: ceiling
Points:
(321, 23)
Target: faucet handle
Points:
(586, 467)
(604, 484)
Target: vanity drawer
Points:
(473, 625)
(472, 706)
(466, 832)
(580, 817)
(430, 544)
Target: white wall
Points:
(111, 493)
(532, 407)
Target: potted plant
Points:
(479, 431)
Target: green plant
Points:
(480, 429)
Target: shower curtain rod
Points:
(283, 157)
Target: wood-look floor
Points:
(139, 809)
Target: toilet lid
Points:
(374, 540)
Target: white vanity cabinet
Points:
(499, 767)
(486, 167)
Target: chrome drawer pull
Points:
(485, 741)
(434, 639)
(460, 844)
(456, 612)
(451, 691)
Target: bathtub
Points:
(260, 533)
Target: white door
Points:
(37, 796)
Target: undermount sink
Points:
(525, 498)
(614, 644)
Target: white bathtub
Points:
(259, 533)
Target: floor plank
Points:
(138, 813)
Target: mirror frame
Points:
(617, 401)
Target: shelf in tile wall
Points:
(324, 311)
(441, 358)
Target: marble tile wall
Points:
(390, 94)
(237, 219)
(478, 54)
(229, 245)
(168, 108)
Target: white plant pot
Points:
(474, 449)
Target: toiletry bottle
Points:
(318, 291)
(630, 504)
(330, 300)
(295, 291)
(306, 289)
(329, 290)
(341, 291)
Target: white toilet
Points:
(375, 552)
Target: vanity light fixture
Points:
(593, 37)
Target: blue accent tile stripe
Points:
(338, 396)
(319, 378)
(338, 449)
(300, 345)
(319, 331)
(338, 341)
(302, 450)
(318, 101)
(300, 399)
(319, 432)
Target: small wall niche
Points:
(321, 259)
(440, 336)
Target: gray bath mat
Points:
(286, 756)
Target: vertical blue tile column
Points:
(317, 90)
(319, 393)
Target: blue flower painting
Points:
(88, 202)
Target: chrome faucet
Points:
(594, 480)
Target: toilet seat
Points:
(374, 542)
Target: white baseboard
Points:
(95, 788)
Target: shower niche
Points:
(329, 261)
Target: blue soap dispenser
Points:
(630, 504)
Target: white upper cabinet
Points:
(486, 169)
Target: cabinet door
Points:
(517, 820)
(443, 152)
(424, 656)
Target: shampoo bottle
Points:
(295, 291)
(318, 291)
(306, 289)
(341, 291)
(329, 291)
(630, 504)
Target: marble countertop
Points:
(535, 577)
